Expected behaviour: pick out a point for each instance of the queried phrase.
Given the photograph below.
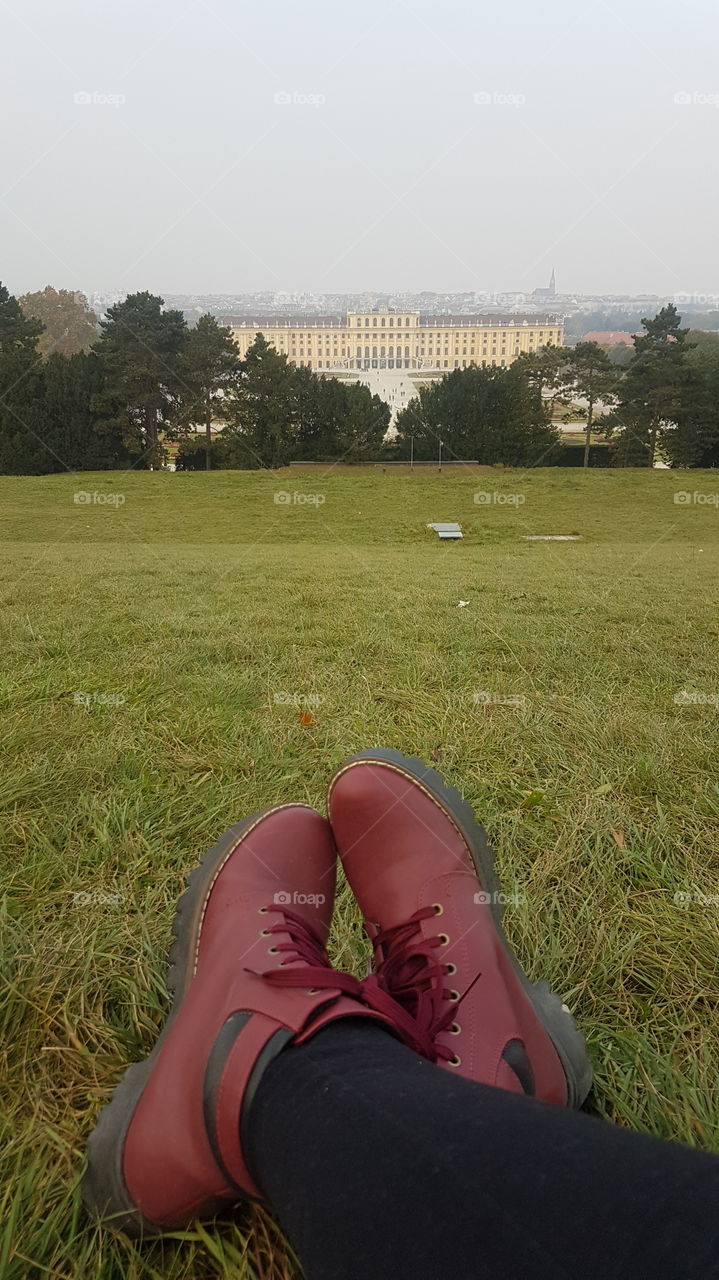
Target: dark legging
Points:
(382, 1166)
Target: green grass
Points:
(198, 602)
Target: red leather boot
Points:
(422, 873)
(250, 977)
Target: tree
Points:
(589, 373)
(649, 397)
(208, 363)
(73, 388)
(365, 425)
(70, 324)
(336, 420)
(23, 447)
(545, 369)
(139, 348)
(262, 424)
(693, 440)
(494, 415)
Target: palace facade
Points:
(385, 339)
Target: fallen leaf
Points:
(306, 718)
(603, 791)
(618, 836)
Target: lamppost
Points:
(440, 455)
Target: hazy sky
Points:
(414, 145)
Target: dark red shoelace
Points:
(407, 987)
(409, 970)
(304, 946)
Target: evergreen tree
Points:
(589, 374)
(650, 393)
(365, 425)
(337, 421)
(262, 426)
(546, 369)
(494, 415)
(23, 446)
(208, 364)
(73, 390)
(693, 441)
(140, 349)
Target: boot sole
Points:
(554, 1016)
(103, 1189)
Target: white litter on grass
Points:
(462, 604)
(446, 530)
(552, 537)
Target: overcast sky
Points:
(341, 145)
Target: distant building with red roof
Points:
(610, 338)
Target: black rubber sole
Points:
(552, 1013)
(103, 1188)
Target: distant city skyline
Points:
(429, 301)
(201, 146)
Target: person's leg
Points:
(380, 1164)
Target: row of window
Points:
(429, 338)
(382, 320)
(378, 362)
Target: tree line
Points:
(665, 401)
(78, 396)
(81, 395)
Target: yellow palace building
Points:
(385, 339)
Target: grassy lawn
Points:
(201, 618)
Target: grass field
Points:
(200, 619)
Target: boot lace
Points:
(407, 988)
(409, 970)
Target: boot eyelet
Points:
(262, 911)
(272, 951)
(455, 1029)
(312, 991)
(264, 933)
(456, 1061)
(438, 908)
(444, 939)
(454, 996)
(451, 969)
